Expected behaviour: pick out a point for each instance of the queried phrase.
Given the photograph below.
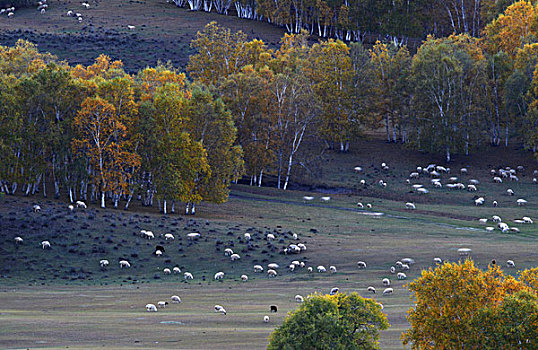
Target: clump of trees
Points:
(340, 321)
(459, 306)
(97, 133)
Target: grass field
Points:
(60, 297)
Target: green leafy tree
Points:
(340, 321)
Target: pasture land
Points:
(163, 31)
(61, 297)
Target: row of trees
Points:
(99, 133)
(358, 19)
(455, 94)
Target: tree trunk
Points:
(387, 128)
(103, 199)
(128, 201)
(260, 178)
(164, 206)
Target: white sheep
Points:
(18, 240)
(220, 309)
(244, 278)
(43, 11)
(510, 192)
(169, 236)
(130, 27)
(371, 289)
(124, 263)
(490, 229)
(437, 184)
(247, 236)
(368, 206)
(386, 282)
(266, 319)
(81, 204)
(361, 265)
(299, 298)
(405, 267)
(414, 175)
(219, 275)
(188, 276)
(272, 273)
(437, 260)
(496, 218)
(235, 257)
(69, 13)
(273, 266)
(258, 268)
(36, 208)
(325, 199)
(193, 235)
(401, 276)
(332, 269)
(422, 191)
(45, 244)
(10, 14)
(527, 220)
(471, 188)
(86, 5)
(479, 201)
(483, 220)
(360, 205)
(228, 252)
(151, 308)
(497, 179)
(162, 304)
(495, 204)
(309, 269)
(358, 169)
(167, 271)
(510, 263)
(158, 253)
(270, 237)
(410, 206)
(103, 263)
(295, 237)
(176, 270)
(464, 251)
(301, 246)
(321, 269)
(308, 198)
(520, 202)
(70, 207)
(463, 171)
(388, 291)
(176, 299)
(334, 291)
(291, 268)
(392, 269)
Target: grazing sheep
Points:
(158, 252)
(474, 182)
(464, 251)
(405, 267)
(219, 275)
(357, 169)
(495, 204)
(176, 270)
(103, 263)
(437, 260)
(332, 269)
(124, 263)
(45, 244)
(503, 227)
(69, 13)
(258, 268)
(228, 252)
(409, 261)
(483, 221)
(368, 206)
(399, 264)
(527, 220)
(308, 198)
(162, 304)
(147, 234)
(301, 246)
(514, 229)
(363, 182)
(510, 192)
(414, 175)
(510, 263)
(188, 276)
(272, 273)
(471, 188)
(360, 205)
(81, 204)
(299, 298)
(386, 282)
(130, 27)
(70, 207)
(151, 308)
(410, 206)
(479, 201)
(490, 229)
(220, 309)
(401, 276)
(496, 218)
(43, 11)
(18, 240)
(86, 5)
(388, 291)
(361, 265)
(392, 269)
(334, 291)
(310, 269)
(417, 186)
(520, 202)
(325, 199)
(247, 236)
(176, 299)
(167, 271)
(273, 266)
(36, 208)
(193, 236)
(422, 191)
(371, 289)
(10, 14)
(169, 236)
(498, 180)
(270, 236)
(266, 319)
(291, 267)
(295, 237)
(244, 278)
(463, 171)
(321, 269)
(273, 308)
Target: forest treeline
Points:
(357, 20)
(98, 133)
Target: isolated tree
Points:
(455, 303)
(340, 321)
